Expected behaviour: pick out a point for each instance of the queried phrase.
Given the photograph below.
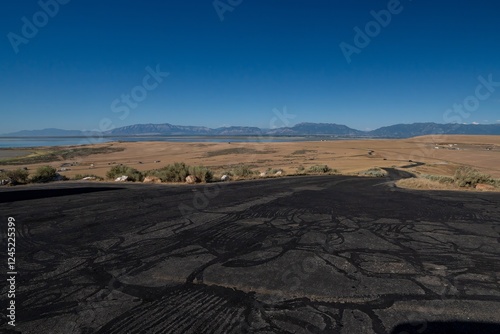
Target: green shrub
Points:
(374, 172)
(272, 171)
(320, 169)
(242, 171)
(469, 177)
(495, 182)
(17, 176)
(178, 172)
(438, 178)
(132, 173)
(44, 174)
(202, 173)
(300, 169)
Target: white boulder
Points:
(191, 179)
(122, 178)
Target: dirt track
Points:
(330, 254)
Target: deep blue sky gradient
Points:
(265, 54)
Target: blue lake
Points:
(12, 142)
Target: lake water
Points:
(13, 142)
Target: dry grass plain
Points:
(440, 154)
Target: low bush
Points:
(178, 172)
(44, 174)
(438, 178)
(242, 171)
(16, 176)
(202, 173)
(320, 169)
(117, 171)
(374, 172)
(469, 177)
(271, 171)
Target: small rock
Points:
(191, 179)
(262, 174)
(151, 179)
(59, 177)
(278, 173)
(122, 178)
(5, 182)
(225, 178)
(483, 186)
(89, 178)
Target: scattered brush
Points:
(45, 174)
(374, 172)
(16, 176)
(321, 169)
(121, 170)
(177, 172)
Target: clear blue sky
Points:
(264, 54)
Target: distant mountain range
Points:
(302, 129)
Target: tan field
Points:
(440, 154)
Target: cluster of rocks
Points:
(190, 179)
(277, 173)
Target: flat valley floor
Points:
(437, 154)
